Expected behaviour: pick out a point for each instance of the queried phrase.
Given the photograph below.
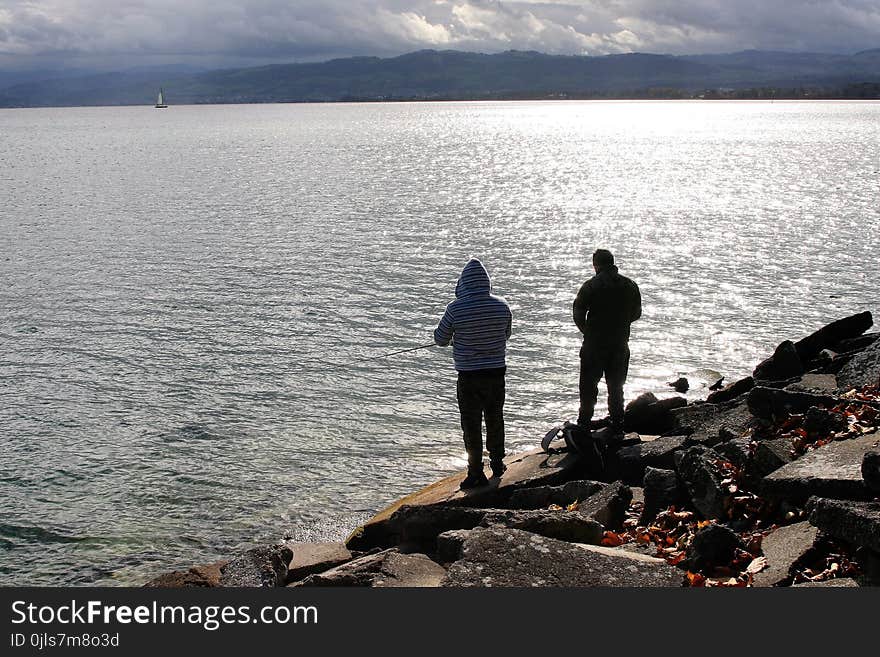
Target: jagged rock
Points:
(509, 557)
(770, 455)
(680, 385)
(863, 369)
(608, 506)
(704, 422)
(820, 423)
(871, 471)
(857, 523)
(731, 392)
(651, 417)
(737, 451)
(856, 344)
(310, 558)
(785, 549)
(541, 497)
(783, 364)
(657, 453)
(830, 471)
(258, 567)
(832, 334)
(416, 527)
(569, 526)
(450, 544)
(817, 384)
(773, 403)
(536, 468)
(662, 490)
(701, 478)
(385, 569)
(198, 576)
(714, 545)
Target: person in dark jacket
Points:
(478, 324)
(605, 307)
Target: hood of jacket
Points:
(474, 280)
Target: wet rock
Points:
(770, 455)
(657, 453)
(541, 497)
(731, 392)
(651, 417)
(785, 363)
(704, 422)
(737, 451)
(509, 557)
(774, 403)
(662, 490)
(820, 423)
(386, 569)
(785, 549)
(714, 545)
(696, 468)
(871, 471)
(857, 523)
(536, 468)
(310, 558)
(198, 576)
(608, 506)
(863, 369)
(680, 385)
(832, 334)
(569, 526)
(831, 471)
(258, 567)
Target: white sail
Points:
(161, 101)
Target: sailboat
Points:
(160, 102)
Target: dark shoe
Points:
(474, 480)
(498, 469)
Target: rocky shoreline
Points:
(773, 480)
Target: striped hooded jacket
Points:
(477, 323)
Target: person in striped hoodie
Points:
(478, 325)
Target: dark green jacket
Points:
(605, 307)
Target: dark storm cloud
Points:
(227, 30)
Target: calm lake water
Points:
(184, 292)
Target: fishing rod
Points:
(393, 353)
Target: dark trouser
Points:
(611, 360)
(481, 393)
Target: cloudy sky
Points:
(117, 33)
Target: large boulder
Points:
(258, 567)
(833, 470)
(785, 363)
(540, 497)
(732, 391)
(699, 471)
(310, 558)
(775, 403)
(651, 416)
(817, 384)
(386, 569)
(785, 549)
(536, 468)
(708, 424)
(416, 528)
(608, 506)
(662, 489)
(831, 335)
(770, 455)
(513, 558)
(857, 523)
(659, 453)
(863, 369)
(569, 526)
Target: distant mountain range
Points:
(431, 74)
